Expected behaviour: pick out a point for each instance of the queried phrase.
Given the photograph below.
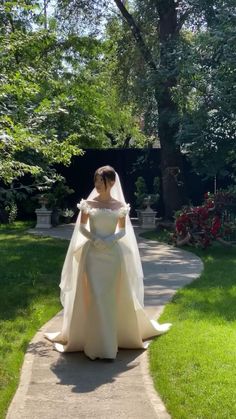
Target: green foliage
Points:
(56, 96)
(142, 195)
(141, 191)
(197, 378)
(30, 71)
(135, 81)
(58, 195)
(206, 93)
(160, 234)
(78, 79)
(29, 276)
(198, 62)
(156, 185)
(12, 212)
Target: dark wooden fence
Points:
(129, 163)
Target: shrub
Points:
(215, 219)
(142, 194)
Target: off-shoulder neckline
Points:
(122, 205)
(105, 209)
(85, 204)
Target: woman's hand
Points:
(100, 244)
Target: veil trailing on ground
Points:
(128, 246)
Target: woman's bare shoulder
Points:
(92, 202)
(117, 204)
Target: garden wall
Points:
(129, 163)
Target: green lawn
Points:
(194, 365)
(30, 269)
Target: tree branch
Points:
(12, 24)
(183, 18)
(137, 34)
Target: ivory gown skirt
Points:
(103, 314)
(101, 309)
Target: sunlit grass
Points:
(194, 365)
(30, 269)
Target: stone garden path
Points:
(66, 386)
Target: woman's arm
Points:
(82, 227)
(99, 243)
(84, 218)
(84, 208)
(121, 222)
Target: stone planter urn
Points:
(43, 214)
(147, 217)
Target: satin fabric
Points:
(102, 312)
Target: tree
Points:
(29, 67)
(57, 98)
(162, 74)
(160, 62)
(206, 93)
(151, 69)
(163, 79)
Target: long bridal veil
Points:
(129, 248)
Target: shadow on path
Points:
(84, 375)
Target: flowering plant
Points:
(67, 213)
(212, 220)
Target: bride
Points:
(102, 278)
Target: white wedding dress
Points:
(101, 311)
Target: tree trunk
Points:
(168, 125)
(171, 158)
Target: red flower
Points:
(210, 204)
(216, 224)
